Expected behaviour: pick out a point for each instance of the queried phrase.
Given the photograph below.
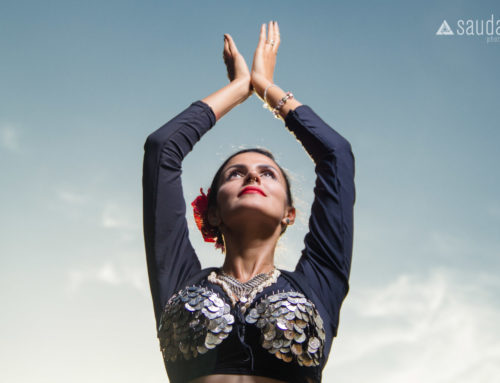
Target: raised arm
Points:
(170, 257)
(326, 259)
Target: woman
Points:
(247, 321)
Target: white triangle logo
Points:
(444, 30)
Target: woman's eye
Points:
(234, 173)
(269, 173)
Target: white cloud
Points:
(71, 197)
(114, 216)
(123, 219)
(436, 329)
(9, 138)
(109, 274)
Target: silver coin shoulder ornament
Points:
(291, 328)
(194, 321)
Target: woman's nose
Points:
(252, 177)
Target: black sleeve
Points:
(170, 257)
(326, 258)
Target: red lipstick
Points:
(252, 189)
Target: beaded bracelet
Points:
(286, 97)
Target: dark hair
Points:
(214, 187)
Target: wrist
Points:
(260, 83)
(242, 88)
(279, 101)
(231, 95)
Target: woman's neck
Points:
(246, 259)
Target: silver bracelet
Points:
(266, 105)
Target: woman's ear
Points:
(289, 217)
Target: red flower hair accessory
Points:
(200, 212)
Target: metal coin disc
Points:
(270, 334)
(261, 322)
(299, 338)
(267, 344)
(287, 358)
(296, 349)
(228, 318)
(250, 319)
(281, 324)
(254, 313)
(213, 309)
(299, 315)
(314, 343)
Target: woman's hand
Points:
(237, 69)
(239, 88)
(235, 63)
(264, 59)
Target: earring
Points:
(288, 221)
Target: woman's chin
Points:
(254, 213)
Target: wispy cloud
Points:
(435, 328)
(123, 219)
(114, 216)
(9, 138)
(108, 274)
(449, 245)
(71, 197)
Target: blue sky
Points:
(82, 84)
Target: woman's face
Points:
(252, 187)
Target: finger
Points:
(232, 45)
(277, 37)
(270, 34)
(262, 37)
(226, 53)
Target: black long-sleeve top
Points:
(321, 274)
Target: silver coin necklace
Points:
(245, 292)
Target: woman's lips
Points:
(251, 189)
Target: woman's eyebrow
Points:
(243, 166)
(266, 166)
(237, 166)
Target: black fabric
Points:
(322, 272)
